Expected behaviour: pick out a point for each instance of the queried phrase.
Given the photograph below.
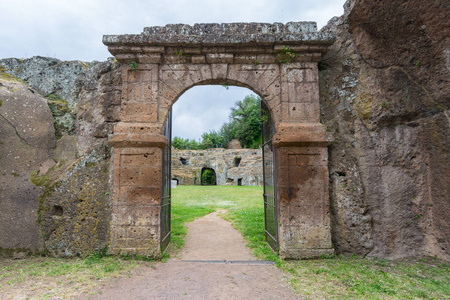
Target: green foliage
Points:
(61, 112)
(246, 114)
(213, 139)
(286, 55)
(384, 104)
(40, 180)
(208, 177)
(134, 66)
(183, 144)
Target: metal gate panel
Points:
(270, 199)
(166, 187)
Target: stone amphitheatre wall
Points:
(384, 97)
(188, 164)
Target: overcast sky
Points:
(73, 30)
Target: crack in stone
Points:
(15, 130)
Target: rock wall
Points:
(59, 196)
(27, 139)
(187, 166)
(384, 96)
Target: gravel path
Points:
(215, 241)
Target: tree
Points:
(183, 144)
(248, 123)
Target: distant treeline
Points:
(244, 125)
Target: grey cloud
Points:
(72, 30)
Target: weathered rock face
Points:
(75, 207)
(58, 196)
(384, 97)
(68, 86)
(27, 140)
(232, 166)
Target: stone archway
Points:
(276, 61)
(209, 180)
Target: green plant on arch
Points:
(134, 66)
(287, 55)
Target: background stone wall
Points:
(222, 161)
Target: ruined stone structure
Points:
(231, 166)
(276, 61)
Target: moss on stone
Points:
(1, 103)
(83, 227)
(58, 106)
(363, 105)
(11, 253)
(8, 77)
(62, 114)
(41, 180)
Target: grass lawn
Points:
(59, 278)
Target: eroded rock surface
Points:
(56, 187)
(27, 140)
(384, 96)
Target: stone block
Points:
(198, 59)
(139, 195)
(176, 59)
(140, 176)
(306, 237)
(149, 158)
(218, 58)
(150, 92)
(149, 58)
(140, 112)
(306, 92)
(267, 59)
(219, 71)
(245, 59)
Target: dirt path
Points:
(211, 239)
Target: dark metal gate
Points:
(166, 187)
(270, 200)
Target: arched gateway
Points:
(276, 61)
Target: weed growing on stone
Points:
(286, 55)
(134, 66)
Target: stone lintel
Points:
(124, 140)
(301, 134)
(301, 37)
